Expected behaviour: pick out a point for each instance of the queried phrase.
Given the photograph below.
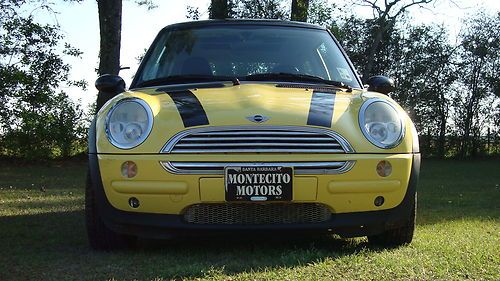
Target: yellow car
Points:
(245, 125)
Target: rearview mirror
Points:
(110, 84)
(381, 84)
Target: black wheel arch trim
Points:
(92, 146)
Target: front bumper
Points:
(164, 196)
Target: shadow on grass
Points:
(53, 246)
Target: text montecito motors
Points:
(258, 181)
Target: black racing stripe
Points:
(321, 110)
(189, 107)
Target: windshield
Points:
(242, 51)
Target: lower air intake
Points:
(276, 213)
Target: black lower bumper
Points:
(162, 225)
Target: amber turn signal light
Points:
(129, 169)
(384, 168)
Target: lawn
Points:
(43, 237)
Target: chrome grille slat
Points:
(267, 138)
(217, 168)
(256, 214)
(253, 150)
(294, 164)
(251, 132)
(289, 144)
(257, 139)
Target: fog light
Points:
(129, 169)
(134, 202)
(379, 201)
(384, 168)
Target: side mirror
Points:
(110, 84)
(381, 84)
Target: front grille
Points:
(248, 213)
(257, 139)
(299, 168)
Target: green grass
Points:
(43, 237)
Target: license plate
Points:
(264, 183)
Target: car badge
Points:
(257, 118)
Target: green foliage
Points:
(320, 12)
(251, 9)
(219, 9)
(149, 4)
(448, 89)
(261, 9)
(36, 121)
(478, 68)
(192, 12)
(300, 9)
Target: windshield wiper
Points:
(295, 77)
(189, 78)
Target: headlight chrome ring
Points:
(383, 126)
(130, 128)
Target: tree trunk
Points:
(299, 10)
(110, 25)
(442, 118)
(441, 143)
(383, 26)
(219, 9)
(470, 112)
(467, 128)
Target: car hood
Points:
(248, 104)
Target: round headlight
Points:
(381, 123)
(129, 123)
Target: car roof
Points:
(259, 22)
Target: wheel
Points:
(397, 236)
(101, 237)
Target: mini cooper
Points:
(245, 125)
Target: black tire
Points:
(101, 237)
(400, 236)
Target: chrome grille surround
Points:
(217, 168)
(257, 139)
(256, 214)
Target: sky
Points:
(80, 25)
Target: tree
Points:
(299, 10)
(424, 72)
(110, 27)
(384, 17)
(479, 71)
(420, 59)
(192, 12)
(36, 119)
(320, 12)
(251, 9)
(260, 9)
(221, 9)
